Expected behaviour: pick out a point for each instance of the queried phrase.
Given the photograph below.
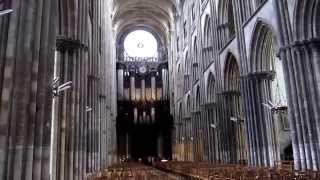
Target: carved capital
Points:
(68, 44)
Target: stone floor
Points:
(201, 171)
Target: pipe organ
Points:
(143, 109)
(149, 87)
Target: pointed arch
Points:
(232, 74)
(197, 99)
(266, 74)
(263, 47)
(188, 106)
(211, 92)
(180, 112)
(186, 63)
(207, 50)
(226, 15)
(179, 80)
(187, 67)
(179, 72)
(188, 103)
(195, 66)
(207, 31)
(195, 48)
(234, 109)
(226, 22)
(179, 121)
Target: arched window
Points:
(188, 106)
(226, 20)
(179, 124)
(197, 99)
(211, 89)
(208, 32)
(179, 81)
(180, 113)
(211, 117)
(269, 88)
(231, 22)
(179, 73)
(178, 44)
(264, 59)
(207, 49)
(193, 12)
(186, 72)
(232, 74)
(186, 63)
(195, 60)
(233, 101)
(140, 45)
(185, 30)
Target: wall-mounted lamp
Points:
(236, 119)
(273, 106)
(213, 126)
(57, 89)
(88, 109)
(5, 12)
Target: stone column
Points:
(165, 84)
(300, 56)
(27, 54)
(228, 129)
(301, 67)
(143, 90)
(260, 123)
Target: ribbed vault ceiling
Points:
(154, 15)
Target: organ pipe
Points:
(135, 116)
(132, 88)
(153, 88)
(144, 117)
(153, 115)
(163, 83)
(143, 90)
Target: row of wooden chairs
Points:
(206, 171)
(130, 171)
